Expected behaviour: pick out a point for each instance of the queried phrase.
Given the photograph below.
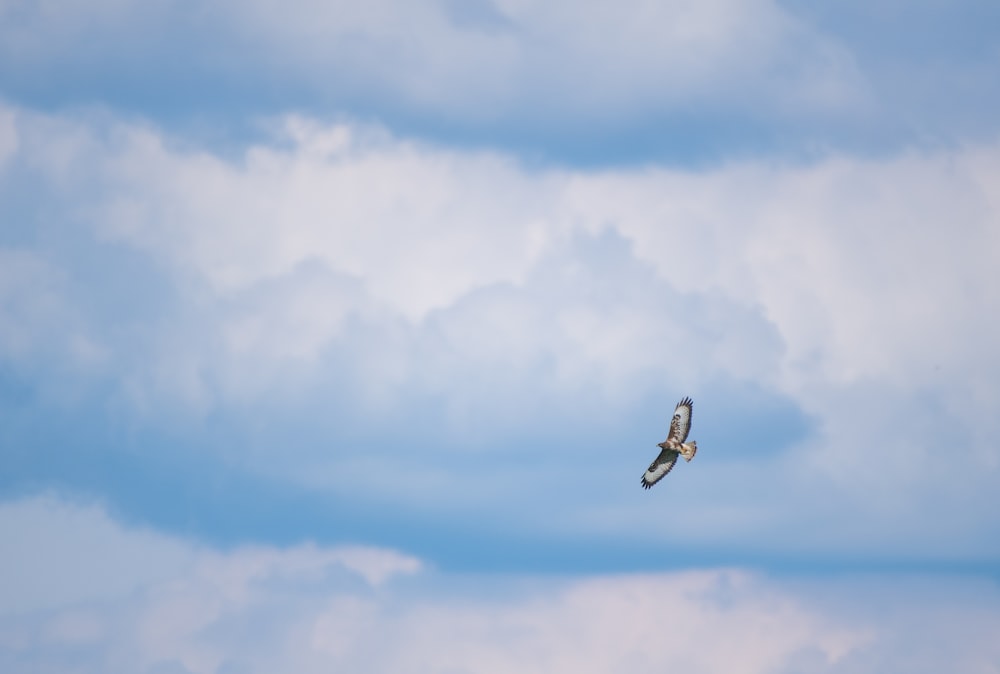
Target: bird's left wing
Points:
(659, 468)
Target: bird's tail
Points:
(689, 449)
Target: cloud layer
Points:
(676, 80)
(309, 608)
(409, 327)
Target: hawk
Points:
(672, 446)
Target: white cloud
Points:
(338, 197)
(875, 270)
(639, 623)
(884, 253)
(295, 609)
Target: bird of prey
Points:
(673, 446)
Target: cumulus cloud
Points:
(874, 273)
(309, 608)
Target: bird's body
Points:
(673, 446)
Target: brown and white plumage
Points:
(673, 446)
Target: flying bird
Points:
(673, 446)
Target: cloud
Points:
(309, 608)
(412, 327)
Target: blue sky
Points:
(321, 321)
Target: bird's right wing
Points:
(681, 423)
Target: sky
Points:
(337, 336)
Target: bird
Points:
(673, 446)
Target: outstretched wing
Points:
(660, 467)
(681, 423)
